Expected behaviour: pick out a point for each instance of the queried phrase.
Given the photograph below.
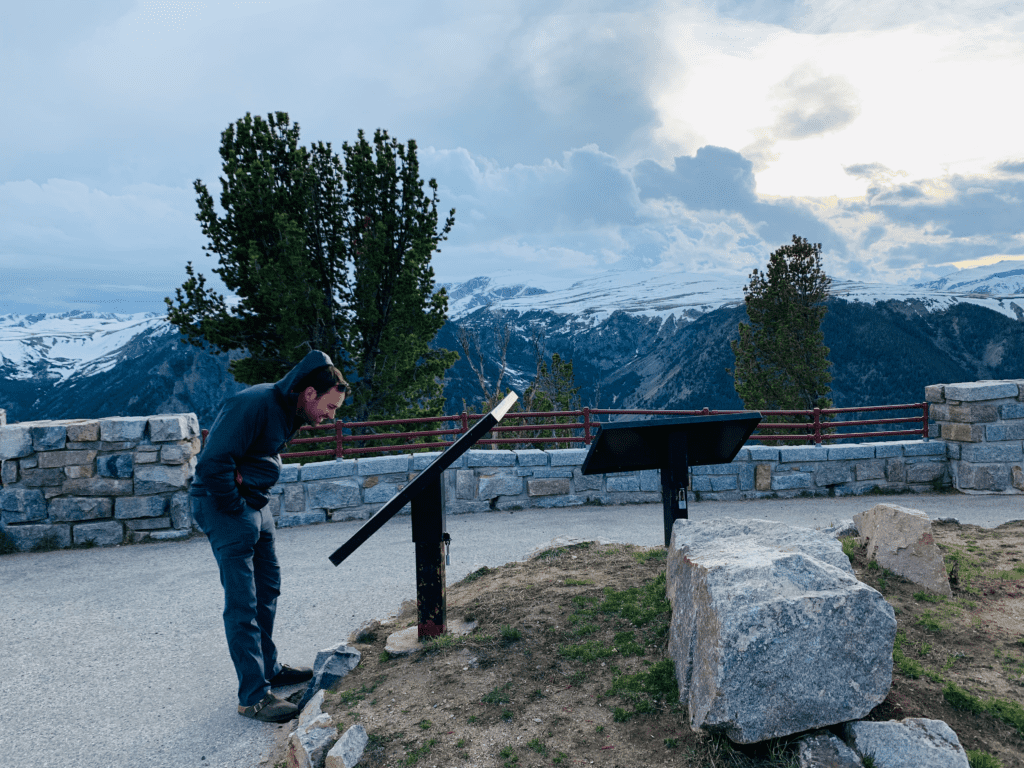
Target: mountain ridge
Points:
(652, 341)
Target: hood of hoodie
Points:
(313, 360)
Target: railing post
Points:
(586, 425)
(205, 433)
(339, 446)
(465, 422)
(817, 426)
(924, 421)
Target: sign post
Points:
(428, 525)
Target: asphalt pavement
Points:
(116, 658)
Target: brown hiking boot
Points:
(272, 709)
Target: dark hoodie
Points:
(248, 434)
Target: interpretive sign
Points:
(673, 446)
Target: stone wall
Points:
(105, 481)
(125, 479)
(982, 423)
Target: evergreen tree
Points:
(554, 389)
(394, 310)
(326, 257)
(279, 247)
(781, 358)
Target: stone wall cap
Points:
(973, 391)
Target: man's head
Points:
(321, 392)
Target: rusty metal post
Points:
(924, 420)
(817, 426)
(586, 426)
(428, 534)
(339, 446)
(465, 422)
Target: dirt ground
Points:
(568, 665)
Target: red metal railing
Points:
(817, 429)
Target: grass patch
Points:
(470, 578)
(499, 695)
(1010, 712)
(591, 650)
(579, 583)
(658, 553)
(639, 605)
(415, 754)
(905, 665)
(849, 546)
(976, 758)
(510, 634)
(537, 746)
(350, 697)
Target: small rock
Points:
(824, 750)
(349, 749)
(313, 735)
(910, 743)
(329, 667)
(900, 539)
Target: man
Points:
(236, 469)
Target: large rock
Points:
(900, 539)
(771, 632)
(911, 743)
(329, 667)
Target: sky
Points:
(574, 139)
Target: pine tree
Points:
(781, 358)
(554, 389)
(323, 256)
(394, 310)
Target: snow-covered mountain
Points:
(999, 287)
(53, 365)
(1003, 279)
(57, 347)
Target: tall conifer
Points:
(322, 256)
(781, 358)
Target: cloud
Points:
(812, 104)
(1011, 166)
(719, 179)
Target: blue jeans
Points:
(251, 577)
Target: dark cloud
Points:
(866, 170)
(719, 179)
(715, 179)
(988, 207)
(1011, 166)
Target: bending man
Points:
(235, 471)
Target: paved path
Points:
(116, 658)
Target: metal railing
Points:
(348, 442)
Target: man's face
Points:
(317, 409)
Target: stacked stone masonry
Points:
(982, 423)
(125, 479)
(100, 481)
